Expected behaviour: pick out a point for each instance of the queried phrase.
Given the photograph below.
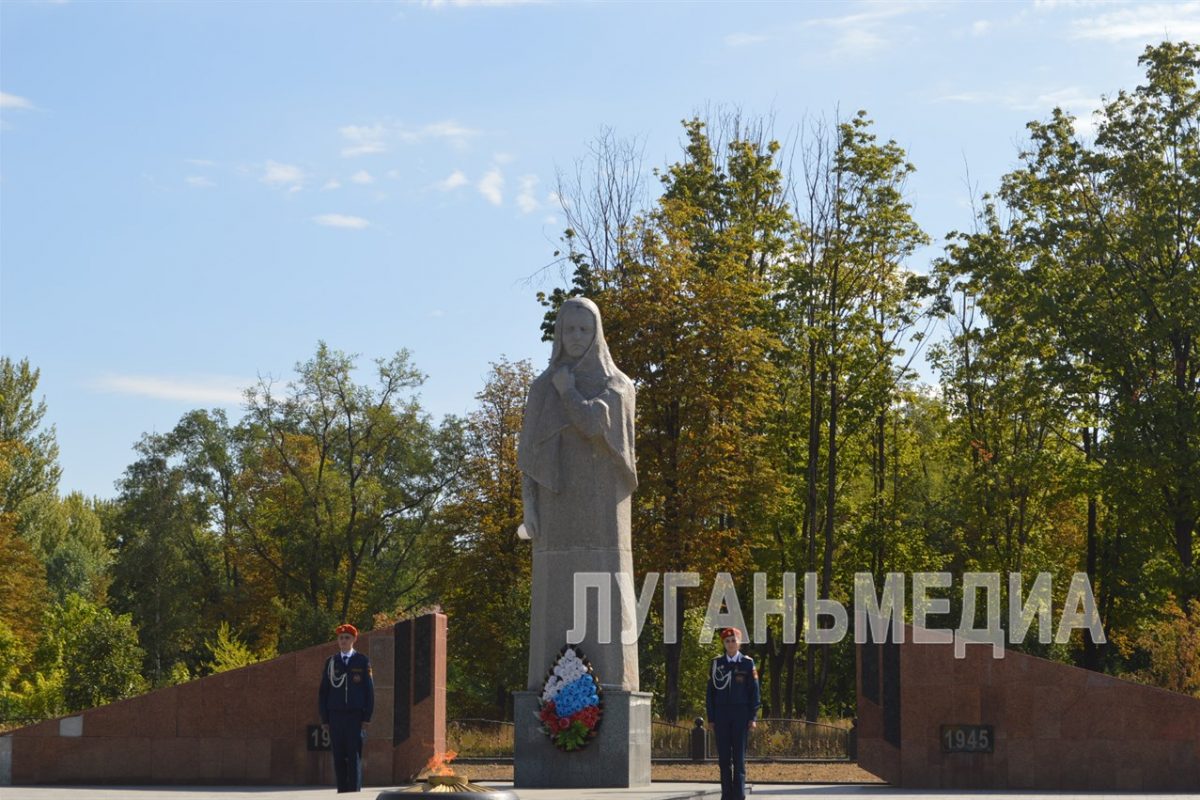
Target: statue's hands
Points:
(564, 379)
(528, 530)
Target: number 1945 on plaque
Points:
(967, 738)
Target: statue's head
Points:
(577, 332)
(578, 327)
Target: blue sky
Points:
(193, 194)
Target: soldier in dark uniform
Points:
(732, 701)
(346, 699)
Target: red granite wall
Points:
(427, 715)
(245, 726)
(1055, 726)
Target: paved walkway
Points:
(657, 791)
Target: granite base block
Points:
(619, 756)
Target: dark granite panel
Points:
(870, 671)
(422, 658)
(891, 692)
(402, 697)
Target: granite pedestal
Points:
(619, 756)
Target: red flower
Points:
(564, 723)
(588, 715)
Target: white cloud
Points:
(504, 158)
(447, 130)
(362, 177)
(453, 181)
(362, 140)
(341, 221)
(968, 97)
(14, 101)
(478, 3)
(491, 186)
(1084, 126)
(868, 30)
(980, 26)
(525, 199)
(331, 184)
(858, 41)
(745, 39)
(198, 182)
(1071, 98)
(1052, 5)
(1144, 22)
(203, 389)
(277, 174)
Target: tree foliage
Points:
(768, 297)
(483, 577)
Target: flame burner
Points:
(448, 787)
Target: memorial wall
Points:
(254, 725)
(929, 720)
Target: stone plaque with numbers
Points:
(968, 738)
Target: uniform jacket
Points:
(733, 691)
(351, 688)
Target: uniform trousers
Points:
(731, 755)
(346, 736)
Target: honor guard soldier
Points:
(732, 702)
(346, 699)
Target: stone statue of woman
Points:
(578, 470)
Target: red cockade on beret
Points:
(347, 628)
(727, 632)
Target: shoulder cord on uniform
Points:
(339, 680)
(721, 682)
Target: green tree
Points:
(847, 301)
(339, 481)
(685, 293)
(229, 652)
(68, 536)
(1111, 232)
(22, 583)
(28, 451)
(166, 559)
(29, 473)
(1173, 646)
(96, 652)
(484, 569)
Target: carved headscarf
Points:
(596, 378)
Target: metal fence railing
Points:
(670, 740)
(480, 738)
(778, 739)
(772, 740)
